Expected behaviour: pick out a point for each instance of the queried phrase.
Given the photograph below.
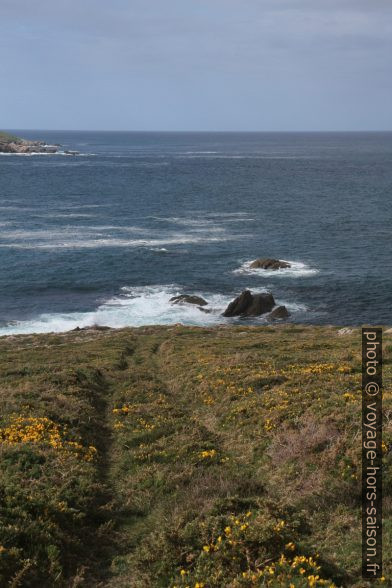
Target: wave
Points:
(230, 216)
(89, 236)
(111, 242)
(205, 222)
(293, 307)
(191, 222)
(140, 306)
(134, 307)
(247, 157)
(67, 215)
(298, 269)
(76, 206)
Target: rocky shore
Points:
(246, 304)
(11, 144)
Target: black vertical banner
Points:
(371, 452)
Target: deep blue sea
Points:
(108, 236)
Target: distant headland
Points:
(11, 144)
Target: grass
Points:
(7, 138)
(179, 456)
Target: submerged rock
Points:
(188, 299)
(280, 312)
(248, 304)
(270, 264)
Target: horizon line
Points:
(194, 131)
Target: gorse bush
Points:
(182, 457)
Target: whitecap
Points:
(92, 243)
(292, 307)
(67, 215)
(191, 222)
(138, 306)
(297, 269)
(134, 307)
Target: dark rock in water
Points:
(206, 310)
(271, 264)
(189, 299)
(239, 305)
(248, 304)
(280, 312)
(261, 304)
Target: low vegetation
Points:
(7, 138)
(185, 457)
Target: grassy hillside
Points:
(173, 457)
(7, 138)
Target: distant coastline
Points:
(12, 144)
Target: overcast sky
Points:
(196, 64)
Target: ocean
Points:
(110, 235)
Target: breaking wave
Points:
(139, 306)
(297, 269)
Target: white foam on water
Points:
(238, 213)
(205, 218)
(110, 242)
(238, 220)
(77, 206)
(97, 236)
(139, 306)
(67, 215)
(191, 222)
(249, 157)
(292, 307)
(134, 307)
(297, 269)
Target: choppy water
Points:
(109, 236)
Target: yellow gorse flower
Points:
(208, 453)
(43, 431)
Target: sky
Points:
(176, 65)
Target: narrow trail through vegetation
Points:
(182, 457)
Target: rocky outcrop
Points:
(93, 328)
(248, 304)
(270, 264)
(188, 299)
(280, 312)
(11, 144)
